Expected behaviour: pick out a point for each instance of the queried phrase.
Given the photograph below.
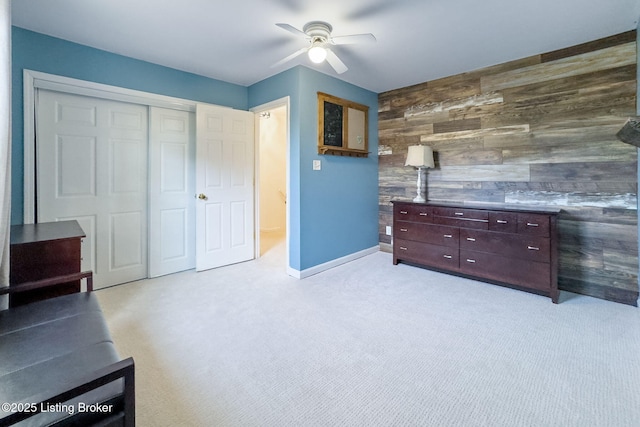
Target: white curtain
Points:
(5, 139)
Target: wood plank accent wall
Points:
(535, 131)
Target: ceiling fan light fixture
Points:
(317, 54)
(318, 33)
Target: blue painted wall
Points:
(334, 211)
(38, 52)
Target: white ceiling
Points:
(237, 41)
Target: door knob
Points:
(202, 196)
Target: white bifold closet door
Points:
(92, 156)
(171, 191)
(91, 166)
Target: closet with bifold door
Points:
(125, 172)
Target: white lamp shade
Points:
(317, 54)
(420, 156)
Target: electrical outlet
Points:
(317, 165)
(388, 230)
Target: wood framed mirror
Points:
(342, 127)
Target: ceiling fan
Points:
(318, 34)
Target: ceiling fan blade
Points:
(290, 57)
(292, 29)
(354, 38)
(335, 62)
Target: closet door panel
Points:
(91, 162)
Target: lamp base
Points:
(419, 198)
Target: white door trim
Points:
(33, 80)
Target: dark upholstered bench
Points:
(58, 366)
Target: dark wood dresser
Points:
(44, 251)
(515, 246)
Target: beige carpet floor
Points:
(371, 344)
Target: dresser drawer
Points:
(427, 233)
(531, 248)
(533, 224)
(461, 213)
(462, 217)
(413, 212)
(505, 222)
(478, 224)
(426, 254)
(529, 274)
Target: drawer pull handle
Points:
(502, 221)
(471, 239)
(448, 236)
(404, 230)
(423, 213)
(459, 213)
(532, 224)
(402, 248)
(471, 261)
(448, 256)
(404, 212)
(533, 248)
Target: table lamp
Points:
(421, 157)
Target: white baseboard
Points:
(301, 274)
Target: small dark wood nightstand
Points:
(44, 251)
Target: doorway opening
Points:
(272, 125)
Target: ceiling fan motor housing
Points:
(320, 32)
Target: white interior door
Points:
(171, 190)
(225, 186)
(91, 157)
